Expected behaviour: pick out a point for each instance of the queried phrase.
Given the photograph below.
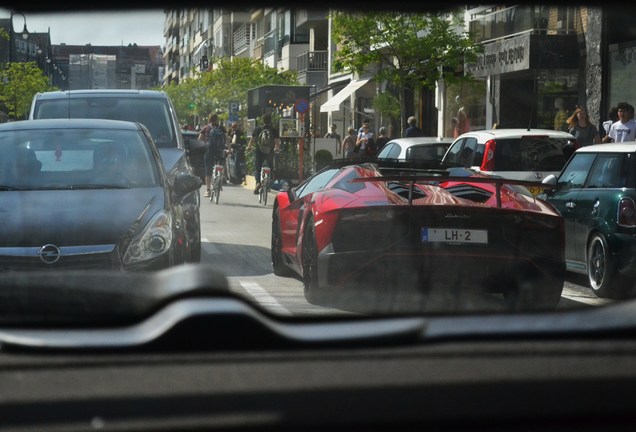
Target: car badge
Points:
(49, 254)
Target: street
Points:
(236, 240)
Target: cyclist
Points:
(216, 139)
(265, 141)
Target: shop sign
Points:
(502, 56)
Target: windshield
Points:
(66, 159)
(281, 136)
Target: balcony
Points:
(304, 17)
(313, 61)
(510, 21)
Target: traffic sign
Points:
(301, 106)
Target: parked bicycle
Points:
(217, 183)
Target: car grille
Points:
(91, 257)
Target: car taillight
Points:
(627, 212)
(489, 163)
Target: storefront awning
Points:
(334, 103)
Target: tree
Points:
(229, 81)
(19, 82)
(405, 50)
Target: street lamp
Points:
(25, 34)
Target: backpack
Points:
(216, 140)
(265, 141)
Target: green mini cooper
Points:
(596, 193)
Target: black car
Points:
(151, 108)
(88, 193)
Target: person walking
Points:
(365, 143)
(334, 134)
(216, 139)
(612, 117)
(412, 130)
(582, 128)
(625, 128)
(265, 141)
(382, 139)
(349, 143)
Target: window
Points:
(608, 171)
(573, 176)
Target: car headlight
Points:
(154, 240)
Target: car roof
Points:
(624, 147)
(102, 92)
(516, 133)
(75, 123)
(421, 140)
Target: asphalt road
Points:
(236, 240)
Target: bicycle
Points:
(217, 183)
(265, 184)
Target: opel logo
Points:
(50, 254)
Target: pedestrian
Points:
(365, 144)
(366, 122)
(382, 139)
(412, 130)
(561, 116)
(463, 119)
(349, 143)
(612, 117)
(217, 140)
(265, 141)
(582, 128)
(625, 128)
(334, 134)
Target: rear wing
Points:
(437, 179)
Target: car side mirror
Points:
(551, 182)
(186, 183)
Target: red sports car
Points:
(366, 236)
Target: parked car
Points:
(421, 148)
(88, 193)
(360, 232)
(521, 154)
(596, 194)
(151, 108)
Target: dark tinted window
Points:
(426, 151)
(153, 113)
(530, 154)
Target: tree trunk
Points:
(403, 115)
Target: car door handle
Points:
(570, 204)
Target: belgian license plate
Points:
(454, 235)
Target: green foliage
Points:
(229, 81)
(19, 82)
(408, 49)
(388, 105)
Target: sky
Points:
(104, 28)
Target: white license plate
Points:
(454, 235)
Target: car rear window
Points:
(530, 154)
(153, 113)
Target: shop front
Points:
(528, 80)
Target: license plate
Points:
(454, 235)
